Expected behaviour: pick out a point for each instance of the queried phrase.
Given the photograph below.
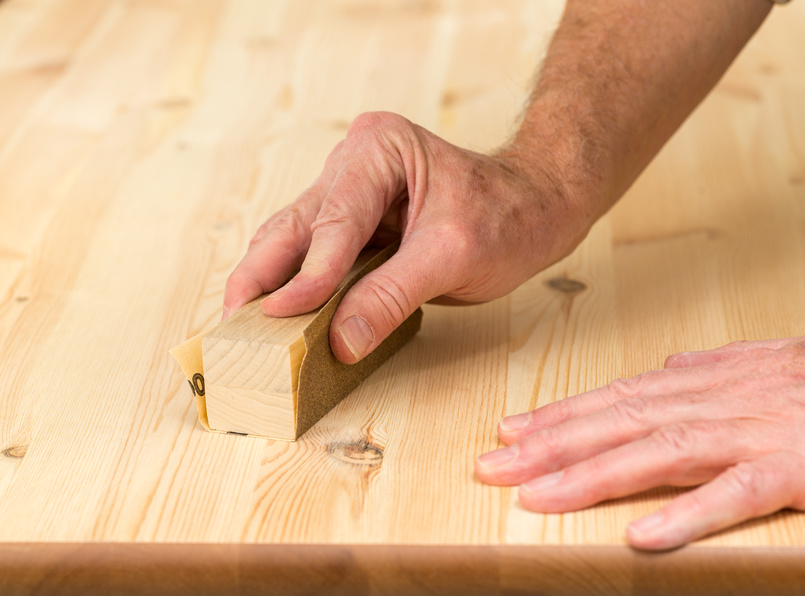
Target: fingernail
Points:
(543, 482)
(646, 525)
(225, 314)
(518, 422)
(497, 458)
(358, 335)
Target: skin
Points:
(730, 420)
(619, 78)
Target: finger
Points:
(278, 247)
(731, 351)
(350, 213)
(678, 455)
(745, 491)
(647, 385)
(384, 298)
(580, 439)
(276, 251)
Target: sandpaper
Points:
(323, 380)
(188, 355)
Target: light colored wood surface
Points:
(141, 144)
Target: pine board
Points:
(142, 143)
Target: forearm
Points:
(619, 78)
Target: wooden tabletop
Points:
(142, 143)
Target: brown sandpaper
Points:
(323, 380)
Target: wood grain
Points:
(142, 143)
(251, 372)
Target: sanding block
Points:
(276, 377)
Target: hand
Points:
(473, 228)
(731, 420)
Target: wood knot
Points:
(768, 68)
(173, 103)
(16, 451)
(361, 453)
(449, 99)
(336, 124)
(566, 285)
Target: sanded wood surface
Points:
(141, 144)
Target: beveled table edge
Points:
(243, 569)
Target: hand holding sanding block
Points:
(258, 375)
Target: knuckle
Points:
(259, 234)
(380, 139)
(626, 388)
(745, 482)
(680, 360)
(597, 467)
(289, 222)
(332, 160)
(391, 298)
(235, 281)
(550, 443)
(632, 410)
(374, 122)
(344, 214)
(741, 344)
(338, 211)
(358, 203)
(600, 484)
(231, 282)
(696, 504)
(458, 241)
(793, 355)
(679, 438)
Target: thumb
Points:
(380, 302)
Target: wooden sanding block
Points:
(259, 375)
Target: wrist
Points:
(562, 198)
(557, 149)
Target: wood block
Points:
(251, 372)
(277, 377)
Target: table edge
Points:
(235, 568)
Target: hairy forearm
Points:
(619, 78)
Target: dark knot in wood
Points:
(360, 453)
(16, 451)
(566, 285)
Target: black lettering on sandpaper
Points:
(198, 384)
